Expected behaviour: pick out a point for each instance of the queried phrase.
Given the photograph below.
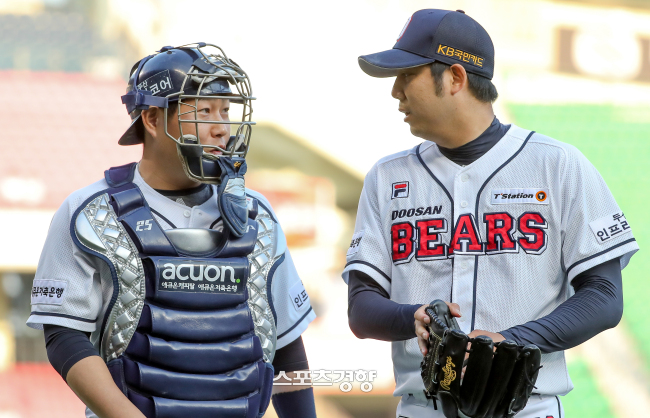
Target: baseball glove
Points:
(497, 382)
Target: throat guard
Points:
(191, 326)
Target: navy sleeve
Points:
(295, 404)
(596, 306)
(371, 313)
(291, 357)
(65, 347)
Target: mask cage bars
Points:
(224, 68)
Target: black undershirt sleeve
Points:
(291, 357)
(371, 313)
(65, 347)
(596, 306)
(295, 404)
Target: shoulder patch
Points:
(49, 292)
(299, 296)
(609, 226)
(354, 245)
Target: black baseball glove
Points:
(497, 382)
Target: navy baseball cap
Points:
(432, 35)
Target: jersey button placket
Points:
(463, 275)
(197, 219)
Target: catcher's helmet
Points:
(186, 74)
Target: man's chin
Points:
(416, 132)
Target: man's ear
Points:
(458, 78)
(150, 120)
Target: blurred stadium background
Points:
(576, 70)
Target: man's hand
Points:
(421, 319)
(90, 379)
(496, 337)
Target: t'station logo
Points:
(400, 190)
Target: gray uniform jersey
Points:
(502, 237)
(73, 289)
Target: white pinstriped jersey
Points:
(503, 237)
(86, 281)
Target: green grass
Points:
(585, 400)
(617, 141)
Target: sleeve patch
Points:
(609, 227)
(48, 292)
(299, 296)
(355, 244)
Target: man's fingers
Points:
(422, 334)
(420, 315)
(423, 346)
(454, 309)
(421, 331)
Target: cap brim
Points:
(130, 137)
(389, 63)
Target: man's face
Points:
(208, 133)
(425, 110)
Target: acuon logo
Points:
(198, 272)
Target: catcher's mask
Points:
(184, 75)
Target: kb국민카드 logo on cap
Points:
(400, 190)
(460, 55)
(406, 25)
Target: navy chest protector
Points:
(190, 329)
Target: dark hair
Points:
(481, 87)
(139, 127)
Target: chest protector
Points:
(190, 330)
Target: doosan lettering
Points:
(421, 211)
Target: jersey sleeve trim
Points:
(36, 320)
(369, 265)
(296, 329)
(76, 318)
(363, 266)
(272, 270)
(605, 255)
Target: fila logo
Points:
(404, 28)
(198, 272)
(143, 225)
(400, 190)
